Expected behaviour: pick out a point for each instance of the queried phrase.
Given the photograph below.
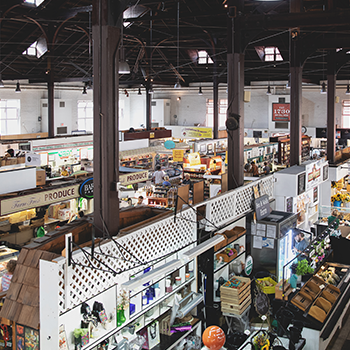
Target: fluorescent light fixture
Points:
(203, 247)
(155, 273)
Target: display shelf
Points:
(221, 266)
(229, 244)
(170, 342)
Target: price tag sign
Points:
(178, 155)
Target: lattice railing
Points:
(223, 209)
(145, 245)
(79, 283)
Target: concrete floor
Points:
(341, 339)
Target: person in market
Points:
(139, 202)
(187, 180)
(266, 168)
(334, 217)
(300, 244)
(158, 175)
(255, 169)
(166, 181)
(6, 278)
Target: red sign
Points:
(281, 112)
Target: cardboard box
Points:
(64, 214)
(40, 177)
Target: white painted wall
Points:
(190, 110)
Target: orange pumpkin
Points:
(214, 338)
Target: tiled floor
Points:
(341, 339)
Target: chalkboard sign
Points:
(262, 207)
(325, 172)
(301, 183)
(289, 205)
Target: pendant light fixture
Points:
(123, 65)
(139, 93)
(84, 90)
(18, 88)
(177, 84)
(268, 92)
(200, 91)
(1, 82)
(347, 92)
(323, 85)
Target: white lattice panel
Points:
(147, 244)
(224, 208)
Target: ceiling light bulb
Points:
(200, 91)
(323, 89)
(18, 88)
(347, 92)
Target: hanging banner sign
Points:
(313, 174)
(39, 199)
(197, 133)
(133, 178)
(86, 189)
(178, 155)
(281, 112)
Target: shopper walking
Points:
(158, 175)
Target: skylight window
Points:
(34, 2)
(37, 49)
(269, 53)
(204, 58)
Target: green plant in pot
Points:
(303, 268)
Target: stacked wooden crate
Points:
(235, 295)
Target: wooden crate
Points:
(279, 293)
(236, 300)
(221, 244)
(225, 257)
(302, 300)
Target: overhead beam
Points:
(292, 20)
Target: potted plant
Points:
(261, 340)
(304, 269)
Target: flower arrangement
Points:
(123, 300)
(340, 197)
(260, 340)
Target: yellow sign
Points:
(198, 133)
(194, 158)
(178, 155)
(151, 135)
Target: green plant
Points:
(303, 268)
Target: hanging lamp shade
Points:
(323, 89)
(268, 92)
(123, 65)
(347, 92)
(200, 91)
(18, 88)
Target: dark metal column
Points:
(106, 40)
(235, 81)
(216, 104)
(51, 105)
(296, 72)
(331, 122)
(148, 106)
